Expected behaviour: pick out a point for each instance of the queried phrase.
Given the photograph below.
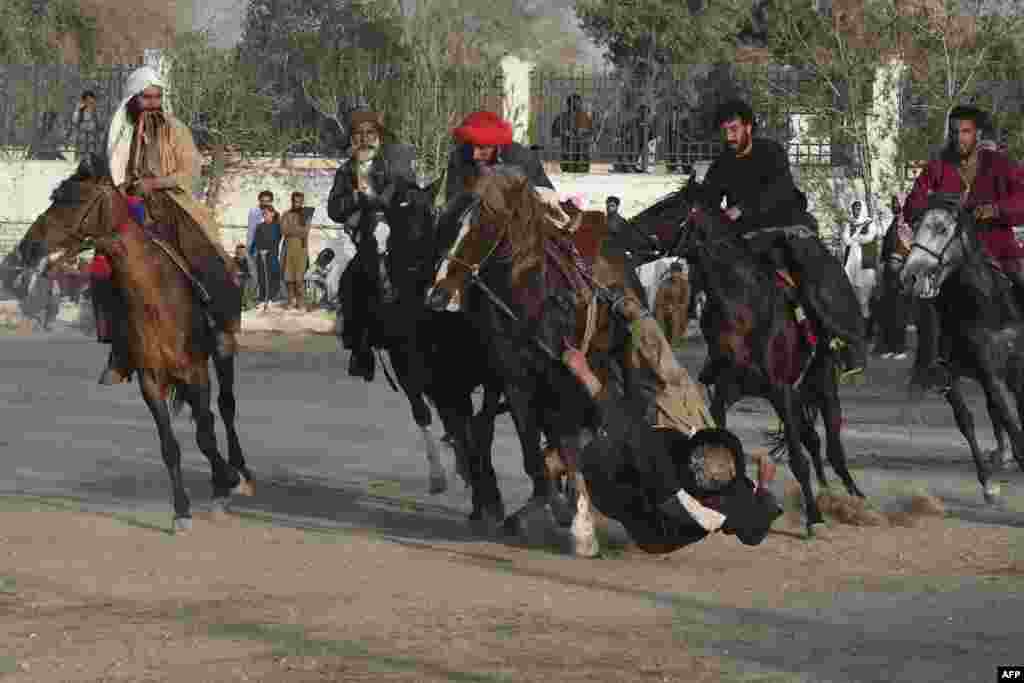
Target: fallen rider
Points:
(669, 489)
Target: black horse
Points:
(436, 356)
(750, 329)
(980, 320)
(525, 305)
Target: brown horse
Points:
(167, 338)
(533, 292)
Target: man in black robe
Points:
(765, 206)
(666, 488)
(364, 185)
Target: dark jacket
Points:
(267, 237)
(461, 167)
(760, 184)
(393, 161)
(631, 468)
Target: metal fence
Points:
(578, 119)
(37, 103)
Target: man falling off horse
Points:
(991, 187)
(364, 185)
(154, 160)
(765, 206)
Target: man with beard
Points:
(765, 206)
(154, 160)
(484, 143)
(992, 187)
(364, 185)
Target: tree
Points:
(30, 31)
(962, 51)
(214, 93)
(837, 77)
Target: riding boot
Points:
(931, 363)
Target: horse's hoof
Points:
(998, 460)
(562, 510)
(585, 544)
(818, 531)
(244, 488)
(438, 484)
(182, 526)
(991, 492)
(219, 508)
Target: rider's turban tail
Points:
(485, 129)
(119, 137)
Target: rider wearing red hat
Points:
(485, 142)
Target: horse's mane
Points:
(92, 168)
(670, 209)
(508, 199)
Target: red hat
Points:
(484, 128)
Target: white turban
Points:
(119, 137)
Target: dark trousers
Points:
(268, 278)
(893, 311)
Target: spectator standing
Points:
(265, 245)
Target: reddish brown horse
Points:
(167, 340)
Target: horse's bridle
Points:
(942, 261)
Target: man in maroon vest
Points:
(993, 187)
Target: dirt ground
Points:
(98, 596)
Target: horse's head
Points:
(504, 210)
(942, 241)
(84, 207)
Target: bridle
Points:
(941, 257)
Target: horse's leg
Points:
(225, 479)
(414, 386)
(169, 449)
(457, 415)
(812, 442)
(1003, 401)
(832, 416)
(965, 422)
(998, 457)
(786, 405)
(521, 405)
(225, 369)
(584, 535)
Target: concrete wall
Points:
(25, 187)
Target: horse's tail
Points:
(176, 398)
(777, 445)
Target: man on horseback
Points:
(484, 146)
(365, 184)
(992, 188)
(154, 160)
(765, 206)
(485, 143)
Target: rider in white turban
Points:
(154, 159)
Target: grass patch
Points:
(288, 640)
(262, 520)
(8, 665)
(8, 585)
(506, 630)
(384, 488)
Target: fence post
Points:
(516, 87)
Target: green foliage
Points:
(28, 31)
(666, 31)
(956, 62)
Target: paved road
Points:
(305, 423)
(318, 441)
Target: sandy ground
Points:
(113, 597)
(392, 585)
